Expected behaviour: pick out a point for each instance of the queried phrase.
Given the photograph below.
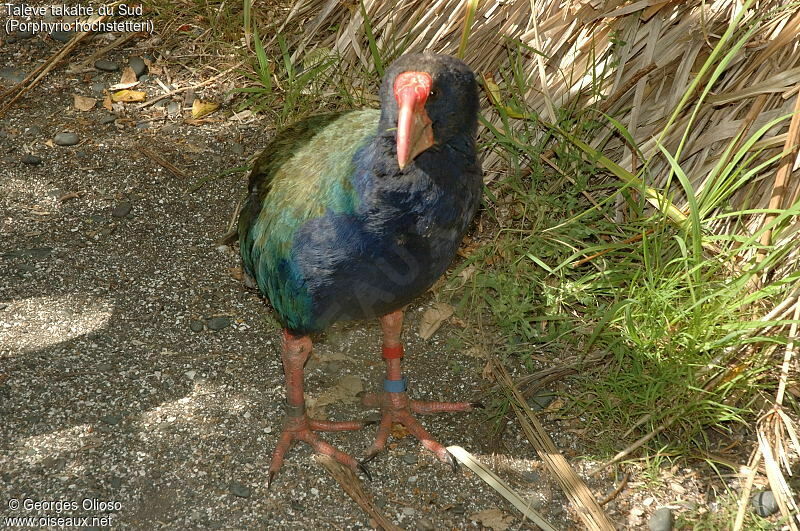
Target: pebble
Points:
(239, 490)
(425, 525)
(66, 139)
(106, 66)
(107, 119)
(23, 34)
(532, 476)
(54, 463)
(541, 400)
(410, 459)
(33, 130)
(98, 88)
(174, 107)
(62, 36)
(138, 66)
(764, 503)
(111, 420)
(459, 509)
(121, 210)
(196, 326)
(332, 367)
(218, 323)
(31, 159)
(409, 511)
(15, 75)
(237, 148)
(661, 520)
(412, 479)
(115, 482)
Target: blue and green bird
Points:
(352, 215)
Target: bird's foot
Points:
(396, 408)
(301, 428)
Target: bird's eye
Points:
(433, 93)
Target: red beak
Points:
(414, 131)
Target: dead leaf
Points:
(494, 519)
(345, 391)
(128, 75)
(476, 351)
(236, 273)
(317, 359)
(128, 96)
(488, 373)
(128, 80)
(82, 103)
(202, 108)
(201, 121)
(69, 195)
(152, 68)
(122, 86)
(433, 318)
(107, 103)
(399, 431)
(555, 405)
(193, 148)
(467, 273)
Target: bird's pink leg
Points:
(394, 403)
(297, 426)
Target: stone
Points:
(10, 73)
(764, 503)
(218, 323)
(239, 490)
(66, 139)
(122, 209)
(106, 66)
(661, 520)
(138, 66)
(62, 36)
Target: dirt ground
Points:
(140, 380)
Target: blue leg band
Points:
(395, 386)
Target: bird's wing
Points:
(305, 172)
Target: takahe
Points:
(352, 215)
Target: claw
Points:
(453, 462)
(369, 457)
(477, 405)
(270, 477)
(363, 468)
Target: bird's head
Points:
(429, 99)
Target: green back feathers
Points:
(305, 171)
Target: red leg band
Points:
(393, 353)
